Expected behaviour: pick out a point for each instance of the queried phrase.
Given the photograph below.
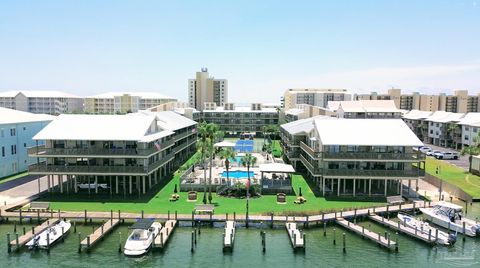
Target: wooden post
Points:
(168, 215)
(389, 241)
(17, 247)
(161, 240)
(48, 243)
(14, 227)
(264, 242)
(195, 235)
(142, 213)
(436, 235)
(9, 246)
(88, 243)
(193, 222)
(334, 237)
(234, 216)
(74, 227)
(79, 243)
(20, 211)
(363, 232)
(324, 229)
(396, 242)
(463, 229)
(429, 235)
(271, 220)
(33, 230)
(175, 215)
(191, 247)
(344, 242)
(59, 215)
(386, 234)
(119, 242)
(85, 216)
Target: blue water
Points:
(237, 159)
(237, 174)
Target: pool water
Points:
(237, 174)
(237, 159)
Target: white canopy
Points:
(277, 167)
(224, 144)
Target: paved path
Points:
(22, 189)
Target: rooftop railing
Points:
(374, 173)
(373, 156)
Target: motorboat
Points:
(86, 186)
(425, 228)
(448, 215)
(53, 234)
(142, 237)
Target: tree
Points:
(227, 153)
(203, 144)
(213, 135)
(472, 150)
(451, 128)
(248, 161)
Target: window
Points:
(12, 132)
(2, 133)
(3, 151)
(24, 145)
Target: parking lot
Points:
(461, 162)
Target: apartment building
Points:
(303, 111)
(459, 102)
(354, 157)
(416, 121)
(181, 108)
(41, 102)
(469, 126)
(116, 154)
(365, 109)
(443, 129)
(313, 96)
(234, 119)
(16, 131)
(205, 88)
(124, 102)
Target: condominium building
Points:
(303, 111)
(443, 129)
(181, 108)
(205, 88)
(119, 154)
(459, 102)
(313, 96)
(416, 121)
(124, 102)
(41, 102)
(234, 119)
(16, 131)
(354, 157)
(365, 109)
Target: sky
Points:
(261, 47)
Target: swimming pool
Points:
(237, 174)
(237, 159)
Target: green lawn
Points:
(468, 182)
(13, 177)
(159, 203)
(277, 148)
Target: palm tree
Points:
(214, 134)
(451, 127)
(227, 153)
(203, 145)
(248, 161)
(472, 150)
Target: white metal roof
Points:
(241, 109)
(445, 117)
(9, 116)
(470, 119)
(97, 127)
(368, 106)
(417, 114)
(276, 167)
(143, 95)
(169, 120)
(302, 125)
(38, 94)
(294, 111)
(224, 144)
(366, 132)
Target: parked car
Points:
(432, 153)
(425, 149)
(446, 155)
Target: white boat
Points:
(423, 227)
(92, 186)
(141, 239)
(54, 233)
(448, 215)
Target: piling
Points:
(48, 243)
(191, 247)
(24, 230)
(9, 246)
(79, 242)
(436, 235)
(264, 246)
(195, 236)
(85, 216)
(17, 247)
(324, 229)
(168, 215)
(396, 242)
(271, 220)
(334, 237)
(33, 230)
(463, 229)
(119, 242)
(193, 222)
(15, 227)
(344, 248)
(88, 243)
(20, 212)
(74, 227)
(430, 235)
(234, 216)
(161, 240)
(142, 213)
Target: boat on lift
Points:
(49, 236)
(449, 216)
(425, 228)
(141, 238)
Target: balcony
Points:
(309, 150)
(373, 156)
(414, 173)
(314, 170)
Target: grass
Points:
(160, 203)
(13, 177)
(448, 172)
(277, 149)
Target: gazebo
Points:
(276, 183)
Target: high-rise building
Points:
(205, 88)
(41, 102)
(313, 96)
(124, 102)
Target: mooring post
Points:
(191, 247)
(363, 232)
(142, 213)
(168, 215)
(33, 230)
(119, 214)
(429, 235)
(344, 242)
(88, 243)
(193, 222)
(386, 234)
(195, 236)
(111, 215)
(24, 230)
(264, 242)
(74, 227)
(334, 237)
(388, 240)
(324, 228)
(161, 240)
(271, 220)
(234, 216)
(48, 243)
(396, 242)
(85, 216)
(226, 216)
(466, 207)
(463, 230)
(79, 243)
(9, 246)
(20, 211)
(119, 242)
(436, 235)
(59, 215)
(15, 227)
(307, 221)
(175, 215)
(355, 215)
(17, 243)
(101, 227)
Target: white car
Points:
(446, 155)
(432, 153)
(425, 149)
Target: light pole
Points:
(437, 172)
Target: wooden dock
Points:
(296, 237)
(22, 240)
(162, 238)
(401, 228)
(365, 233)
(98, 234)
(229, 235)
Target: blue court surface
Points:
(244, 146)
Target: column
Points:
(401, 187)
(338, 187)
(124, 186)
(364, 186)
(110, 186)
(344, 181)
(138, 185)
(369, 187)
(385, 187)
(143, 184)
(48, 183)
(60, 182)
(130, 184)
(96, 184)
(150, 181)
(354, 187)
(116, 184)
(88, 185)
(323, 186)
(75, 183)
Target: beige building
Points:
(41, 102)
(205, 88)
(459, 102)
(313, 96)
(124, 102)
